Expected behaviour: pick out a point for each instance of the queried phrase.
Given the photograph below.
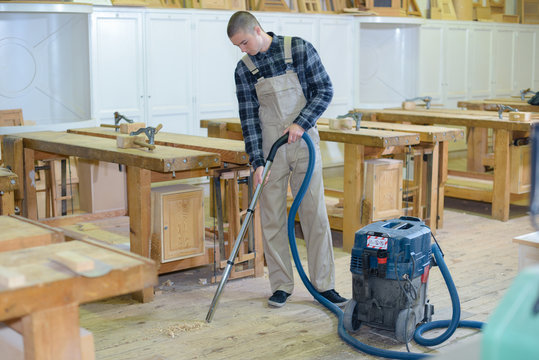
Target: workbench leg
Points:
(433, 201)
(30, 196)
(501, 195)
(7, 203)
(139, 211)
(442, 179)
(12, 155)
(477, 148)
(52, 334)
(353, 192)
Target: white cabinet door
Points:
(524, 61)
(169, 57)
(117, 65)
(216, 60)
(431, 62)
(337, 52)
(305, 28)
(504, 50)
(480, 62)
(455, 79)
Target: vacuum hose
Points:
(450, 324)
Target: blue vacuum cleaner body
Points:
(390, 266)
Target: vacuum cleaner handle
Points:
(276, 145)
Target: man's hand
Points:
(295, 132)
(258, 176)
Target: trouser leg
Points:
(274, 226)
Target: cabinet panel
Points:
(303, 28)
(504, 50)
(169, 95)
(389, 58)
(216, 60)
(456, 66)
(339, 68)
(117, 61)
(524, 61)
(431, 62)
(480, 63)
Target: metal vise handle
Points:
(502, 108)
(524, 92)
(118, 117)
(357, 116)
(149, 132)
(426, 99)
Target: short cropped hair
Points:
(241, 21)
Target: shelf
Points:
(44, 7)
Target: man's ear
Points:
(258, 30)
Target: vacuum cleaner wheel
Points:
(405, 325)
(351, 321)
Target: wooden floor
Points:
(478, 251)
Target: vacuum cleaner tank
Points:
(385, 248)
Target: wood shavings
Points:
(175, 330)
(168, 283)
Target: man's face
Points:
(249, 43)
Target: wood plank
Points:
(428, 133)
(442, 180)
(162, 159)
(367, 137)
(492, 105)
(353, 188)
(139, 207)
(50, 286)
(450, 118)
(12, 155)
(502, 175)
(230, 150)
(20, 233)
(63, 342)
(29, 208)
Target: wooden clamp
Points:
(124, 141)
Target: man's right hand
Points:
(258, 176)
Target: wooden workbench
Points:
(504, 130)
(9, 183)
(232, 154)
(46, 302)
(21, 150)
(231, 151)
(357, 146)
(492, 104)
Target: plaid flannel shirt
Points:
(314, 80)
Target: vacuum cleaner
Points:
(390, 264)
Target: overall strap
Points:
(251, 66)
(288, 50)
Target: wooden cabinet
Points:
(177, 222)
(383, 188)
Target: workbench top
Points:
(487, 119)
(162, 159)
(367, 137)
(232, 151)
(49, 284)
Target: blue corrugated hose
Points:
(450, 324)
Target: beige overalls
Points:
(281, 100)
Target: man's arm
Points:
(248, 109)
(319, 87)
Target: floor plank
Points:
(478, 251)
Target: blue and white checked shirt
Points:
(312, 76)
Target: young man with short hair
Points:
(282, 87)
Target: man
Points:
(282, 87)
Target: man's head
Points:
(245, 32)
